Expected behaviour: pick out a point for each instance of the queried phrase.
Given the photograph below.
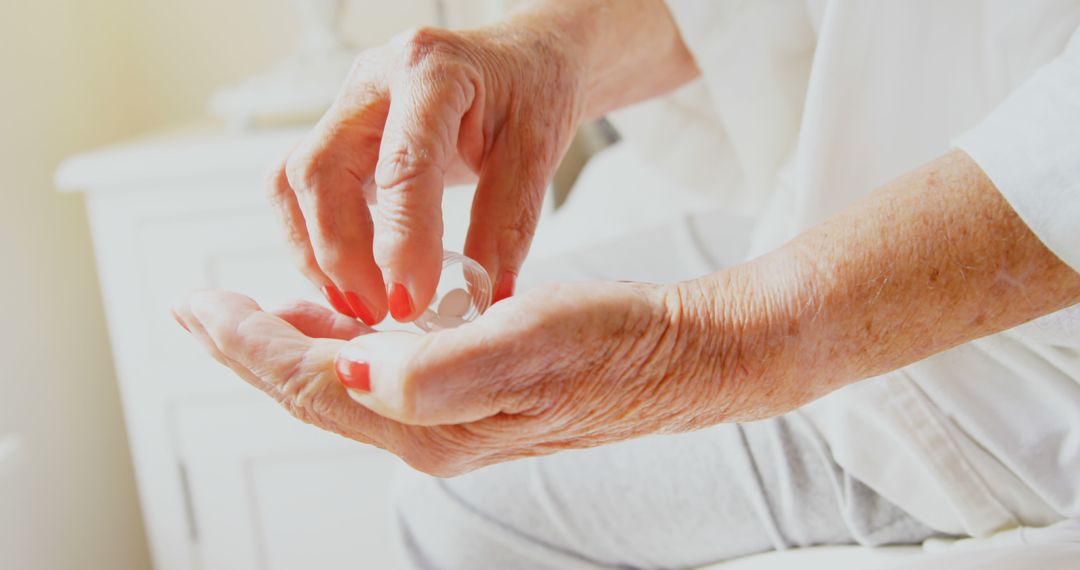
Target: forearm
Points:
(628, 50)
(934, 259)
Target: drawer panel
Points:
(267, 491)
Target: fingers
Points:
(234, 324)
(418, 146)
(448, 377)
(411, 116)
(506, 208)
(395, 129)
(329, 220)
(411, 379)
(275, 357)
(296, 236)
(319, 322)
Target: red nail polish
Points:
(400, 303)
(353, 374)
(505, 286)
(359, 309)
(180, 322)
(337, 300)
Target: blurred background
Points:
(79, 75)
(123, 446)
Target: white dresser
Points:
(227, 480)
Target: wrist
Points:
(748, 338)
(624, 51)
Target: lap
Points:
(658, 502)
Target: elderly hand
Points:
(559, 367)
(497, 105)
(432, 108)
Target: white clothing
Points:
(817, 103)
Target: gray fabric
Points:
(660, 502)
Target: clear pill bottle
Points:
(463, 294)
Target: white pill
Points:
(443, 323)
(455, 303)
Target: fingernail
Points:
(353, 374)
(504, 287)
(360, 309)
(400, 303)
(337, 300)
(180, 322)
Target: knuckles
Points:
(418, 45)
(302, 171)
(402, 164)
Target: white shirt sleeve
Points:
(701, 23)
(1029, 146)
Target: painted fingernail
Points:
(400, 303)
(360, 309)
(180, 322)
(353, 374)
(504, 287)
(337, 300)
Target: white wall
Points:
(68, 500)
(79, 74)
(185, 49)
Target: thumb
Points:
(422, 380)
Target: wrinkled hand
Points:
(560, 367)
(432, 108)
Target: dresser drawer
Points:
(266, 491)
